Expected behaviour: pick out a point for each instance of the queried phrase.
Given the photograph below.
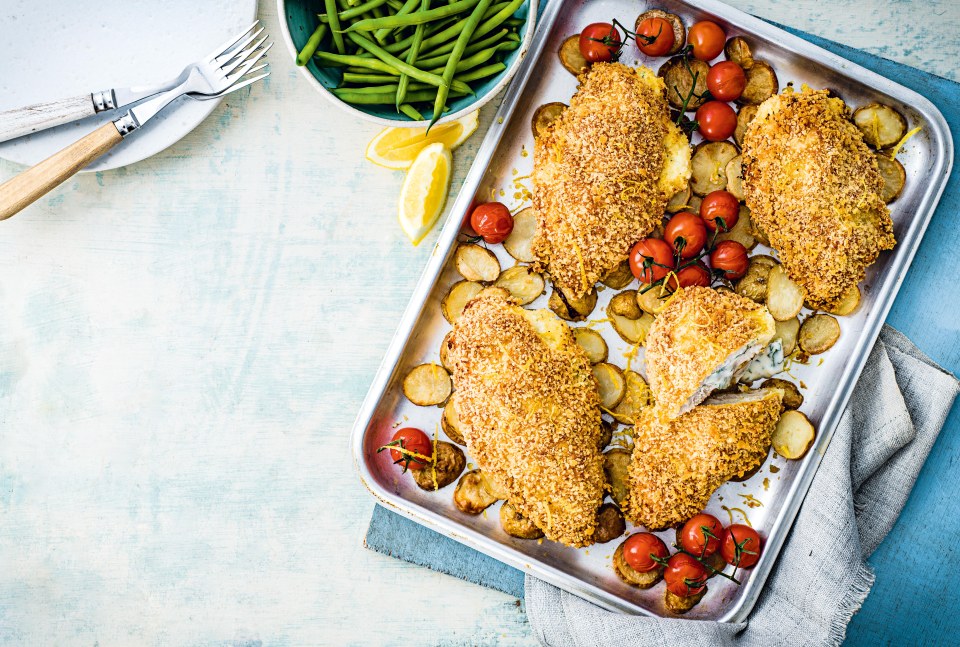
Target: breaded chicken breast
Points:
(699, 343)
(530, 412)
(603, 173)
(677, 465)
(814, 187)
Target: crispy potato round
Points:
(637, 398)
(519, 243)
(606, 434)
(448, 463)
(880, 124)
(760, 235)
(546, 115)
(616, 466)
(631, 576)
(787, 332)
(610, 383)
(476, 263)
(784, 297)
(516, 525)
(848, 303)
(632, 331)
(471, 495)
(522, 283)
(610, 523)
(445, 359)
(619, 277)
(894, 177)
(679, 30)
(450, 422)
(679, 201)
(457, 298)
(762, 84)
(792, 398)
(707, 166)
(572, 309)
(742, 230)
(793, 435)
(427, 384)
(570, 56)
(734, 172)
(679, 81)
(753, 285)
(680, 605)
(818, 334)
(653, 300)
(744, 117)
(625, 305)
(738, 50)
(592, 344)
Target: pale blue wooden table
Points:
(185, 343)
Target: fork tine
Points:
(243, 56)
(249, 63)
(230, 43)
(234, 88)
(226, 57)
(245, 71)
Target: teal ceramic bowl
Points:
(298, 19)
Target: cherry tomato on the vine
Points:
(701, 535)
(600, 41)
(696, 274)
(741, 546)
(492, 221)
(686, 233)
(731, 257)
(720, 206)
(684, 575)
(410, 448)
(726, 81)
(651, 259)
(640, 549)
(655, 36)
(707, 39)
(716, 121)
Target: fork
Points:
(227, 69)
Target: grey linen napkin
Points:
(821, 577)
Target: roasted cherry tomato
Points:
(684, 575)
(600, 41)
(731, 257)
(726, 81)
(720, 209)
(655, 36)
(686, 233)
(707, 39)
(716, 121)
(701, 535)
(741, 546)
(492, 221)
(410, 448)
(640, 549)
(651, 259)
(696, 274)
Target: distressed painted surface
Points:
(185, 343)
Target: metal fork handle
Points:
(30, 119)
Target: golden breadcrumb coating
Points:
(694, 335)
(602, 174)
(677, 465)
(813, 186)
(530, 411)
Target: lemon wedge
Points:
(424, 190)
(396, 148)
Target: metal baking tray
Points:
(500, 171)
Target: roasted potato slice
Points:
(546, 115)
(610, 523)
(787, 332)
(742, 230)
(472, 495)
(653, 300)
(708, 166)
(848, 304)
(632, 331)
(522, 283)
(679, 81)
(619, 277)
(427, 384)
(610, 383)
(516, 525)
(818, 334)
(457, 298)
(760, 235)
(734, 172)
(572, 309)
(606, 434)
(625, 305)
(694, 203)
(450, 422)
(738, 50)
(519, 243)
(570, 56)
(680, 605)
(636, 399)
(880, 124)
(476, 263)
(592, 344)
(448, 463)
(631, 576)
(762, 84)
(616, 466)
(753, 285)
(793, 435)
(894, 177)
(784, 297)
(744, 117)
(679, 30)
(445, 359)
(679, 201)
(792, 398)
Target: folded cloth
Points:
(821, 576)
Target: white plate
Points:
(52, 52)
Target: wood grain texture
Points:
(30, 119)
(29, 186)
(185, 347)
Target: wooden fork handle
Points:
(24, 189)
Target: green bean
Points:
(312, 44)
(439, 27)
(489, 24)
(397, 64)
(412, 56)
(451, 67)
(396, 5)
(514, 22)
(404, 9)
(389, 87)
(411, 112)
(481, 72)
(386, 98)
(441, 59)
(331, 6)
(480, 57)
(354, 12)
(363, 77)
(355, 63)
(414, 18)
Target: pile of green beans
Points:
(412, 54)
